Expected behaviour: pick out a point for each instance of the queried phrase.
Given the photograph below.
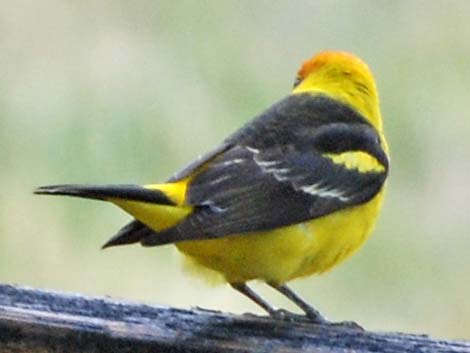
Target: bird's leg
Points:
(280, 314)
(313, 314)
(272, 311)
(250, 293)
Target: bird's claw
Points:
(285, 315)
(350, 325)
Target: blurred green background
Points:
(128, 92)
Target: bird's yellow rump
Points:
(292, 193)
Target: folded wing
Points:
(247, 189)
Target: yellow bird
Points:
(292, 193)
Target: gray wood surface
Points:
(34, 320)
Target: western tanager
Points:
(292, 193)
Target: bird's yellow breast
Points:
(289, 252)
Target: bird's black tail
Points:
(106, 192)
(133, 232)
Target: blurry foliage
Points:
(120, 91)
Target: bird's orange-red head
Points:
(344, 62)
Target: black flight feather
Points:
(105, 192)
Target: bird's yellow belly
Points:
(286, 253)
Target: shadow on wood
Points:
(33, 320)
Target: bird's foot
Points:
(350, 325)
(285, 315)
(313, 318)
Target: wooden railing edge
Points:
(34, 320)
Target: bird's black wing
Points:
(248, 188)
